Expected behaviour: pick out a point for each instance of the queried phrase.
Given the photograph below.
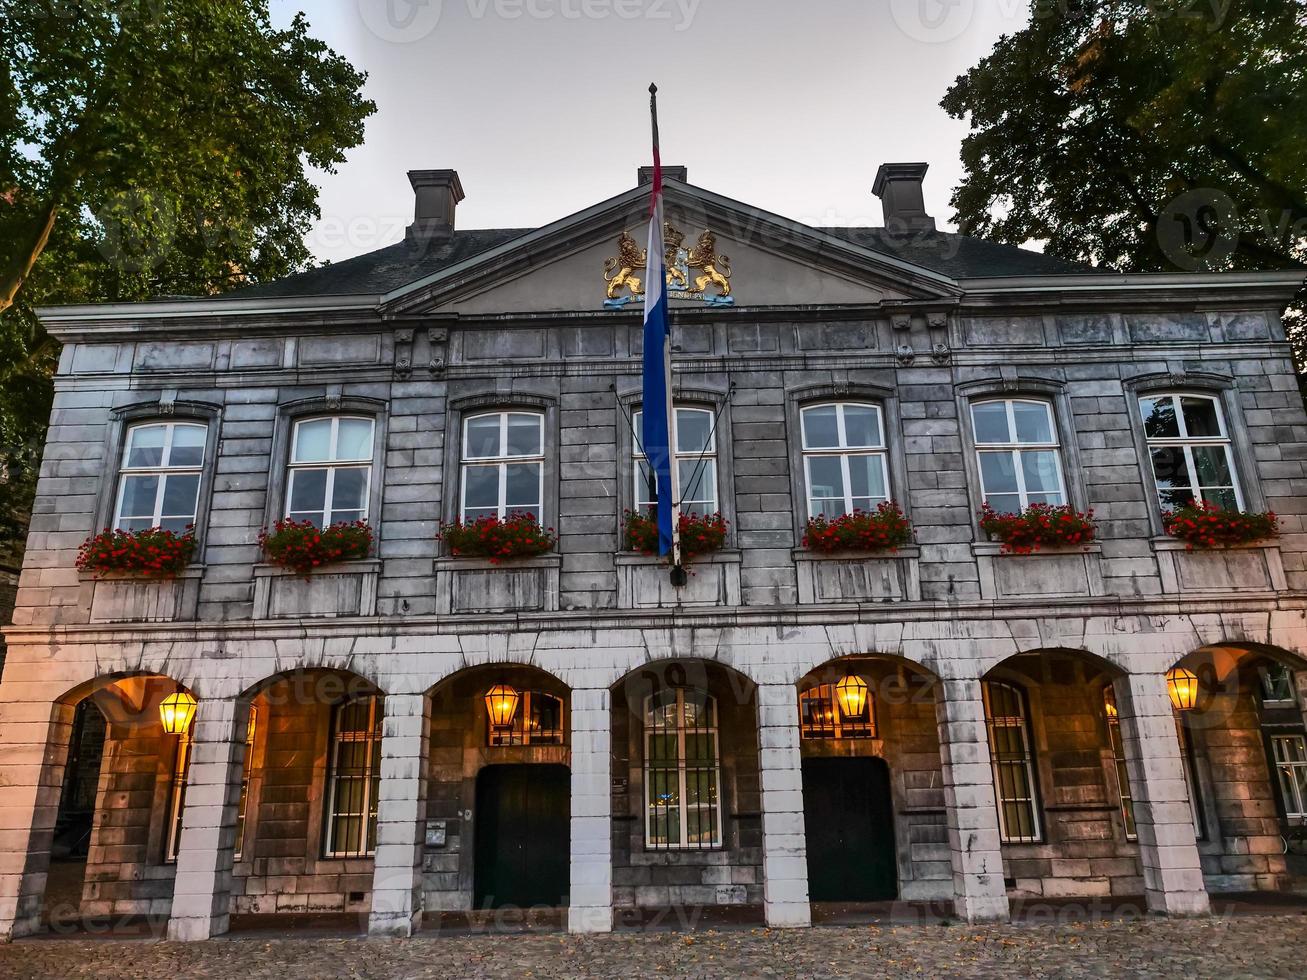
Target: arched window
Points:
(353, 778)
(844, 458)
(822, 715)
(1017, 454)
(538, 720)
(159, 478)
(330, 470)
(1117, 744)
(503, 464)
(1189, 447)
(696, 463)
(1012, 756)
(682, 773)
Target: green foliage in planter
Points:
(701, 534)
(1207, 525)
(302, 547)
(884, 529)
(516, 536)
(1038, 526)
(152, 553)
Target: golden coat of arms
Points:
(696, 272)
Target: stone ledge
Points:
(124, 598)
(1249, 568)
(344, 589)
(713, 581)
(858, 576)
(478, 585)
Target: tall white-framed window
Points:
(503, 463)
(844, 458)
(330, 470)
(1117, 744)
(682, 771)
(181, 770)
(696, 462)
(247, 770)
(353, 778)
(1189, 448)
(1012, 756)
(1017, 453)
(159, 477)
(1290, 753)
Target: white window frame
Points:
(372, 737)
(501, 462)
(1016, 448)
(1026, 762)
(682, 768)
(331, 465)
(1295, 799)
(844, 452)
(1190, 443)
(164, 471)
(642, 504)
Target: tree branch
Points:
(24, 262)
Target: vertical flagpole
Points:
(678, 571)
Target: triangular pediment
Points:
(729, 254)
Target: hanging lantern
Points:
(852, 695)
(1182, 685)
(501, 705)
(176, 712)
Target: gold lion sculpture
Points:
(673, 239)
(630, 257)
(716, 268)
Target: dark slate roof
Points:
(374, 273)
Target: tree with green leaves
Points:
(1142, 135)
(150, 148)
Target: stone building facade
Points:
(669, 746)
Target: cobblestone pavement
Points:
(1245, 946)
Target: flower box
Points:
(302, 547)
(1205, 525)
(516, 536)
(701, 534)
(884, 529)
(1039, 526)
(152, 553)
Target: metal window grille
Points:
(181, 769)
(538, 720)
(1117, 744)
(822, 716)
(682, 774)
(1291, 764)
(1013, 762)
(247, 767)
(354, 778)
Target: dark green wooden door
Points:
(523, 836)
(850, 827)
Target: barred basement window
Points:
(1291, 764)
(1013, 761)
(1190, 450)
(354, 778)
(181, 769)
(822, 716)
(682, 775)
(538, 720)
(1118, 754)
(330, 470)
(159, 480)
(246, 768)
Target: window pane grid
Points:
(844, 458)
(696, 463)
(354, 779)
(502, 466)
(330, 472)
(681, 772)
(1018, 454)
(822, 716)
(538, 720)
(1013, 763)
(1291, 765)
(159, 478)
(1190, 452)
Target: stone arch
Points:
(339, 682)
(1093, 661)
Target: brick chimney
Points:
(898, 185)
(436, 194)
(669, 173)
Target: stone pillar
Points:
(590, 906)
(401, 816)
(35, 738)
(784, 844)
(979, 894)
(1173, 876)
(201, 900)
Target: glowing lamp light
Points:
(501, 705)
(852, 694)
(176, 712)
(1182, 685)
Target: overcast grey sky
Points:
(541, 105)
